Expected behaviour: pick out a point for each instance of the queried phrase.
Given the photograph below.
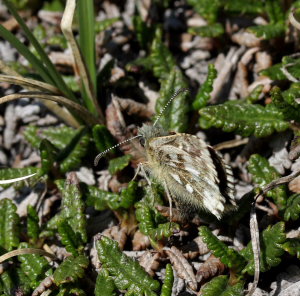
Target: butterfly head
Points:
(146, 132)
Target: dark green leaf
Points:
(118, 164)
(105, 285)
(71, 269)
(245, 119)
(220, 286)
(72, 209)
(292, 210)
(103, 138)
(227, 255)
(9, 225)
(212, 30)
(166, 289)
(12, 173)
(127, 273)
(292, 246)
(58, 136)
(34, 266)
(263, 173)
(286, 103)
(33, 228)
(207, 8)
(161, 58)
(268, 31)
(175, 115)
(203, 94)
(102, 200)
(73, 153)
(101, 26)
(48, 155)
(68, 237)
(271, 245)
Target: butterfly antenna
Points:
(181, 90)
(98, 157)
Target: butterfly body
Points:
(195, 175)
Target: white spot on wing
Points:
(189, 188)
(176, 178)
(192, 170)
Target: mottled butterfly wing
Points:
(193, 172)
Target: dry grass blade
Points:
(30, 83)
(254, 231)
(182, 267)
(54, 107)
(24, 252)
(79, 66)
(86, 115)
(16, 179)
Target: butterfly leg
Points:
(169, 199)
(137, 171)
(142, 169)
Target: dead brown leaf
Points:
(140, 241)
(182, 267)
(210, 268)
(149, 261)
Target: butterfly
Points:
(193, 174)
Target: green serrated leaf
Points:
(73, 208)
(143, 31)
(101, 26)
(34, 266)
(118, 164)
(220, 286)
(68, 237)
(33, 228)
(286, 103)
(175, 116)
(71, 269)
(274, 72)
(12, 173)
(127, 273)
(269, 31)
(161, 58)
(207, 8)
(203, 94)
(73, 153)
(255, 94)
(48, 155)
(9, 225)
(212, 30)
(150, 225)
(167, 286)
(103, 138)
(263, 173)
(101, 199)
(69, 289)
(275, 11)
(292, 210)
(292, 246)
(244, 7)
(6, 283)
(245, 119)
(105, 285)
(58, 136)
(271, 245)
(228, 256)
